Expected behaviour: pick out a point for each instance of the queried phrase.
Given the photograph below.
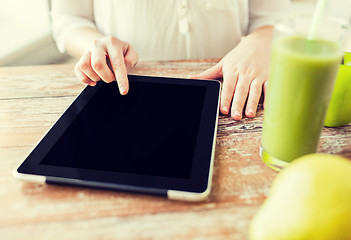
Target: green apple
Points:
(339, 110)
(309, 200)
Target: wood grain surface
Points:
(31, 100)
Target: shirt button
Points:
(183, 22)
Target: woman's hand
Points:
(245, 72)
(108, 59)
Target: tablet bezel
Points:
(197, 187)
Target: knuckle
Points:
(134, 54)
(97, 42)
(129, 62)
(118, 63)
(241, 90)
(113, 40)
(132, 60)
(97, 65)
(84, 66)
(251, 72)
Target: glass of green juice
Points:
(301, 79)
(339, 110)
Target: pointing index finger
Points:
(116, 56)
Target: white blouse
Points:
(168, 29)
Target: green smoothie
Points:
(339, 110)
(301, 79)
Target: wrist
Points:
(81, 40)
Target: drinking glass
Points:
(301, 79)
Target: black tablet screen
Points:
(150, 131)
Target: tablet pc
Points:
(157, 139)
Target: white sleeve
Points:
(67, 15)
(264, 12)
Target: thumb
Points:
(211, 73)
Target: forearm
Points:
(80, 40)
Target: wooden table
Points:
(32, 98)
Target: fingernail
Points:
(92, 84)
(122, 90)
(250, 113)
(225, 110)
(237, 115)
